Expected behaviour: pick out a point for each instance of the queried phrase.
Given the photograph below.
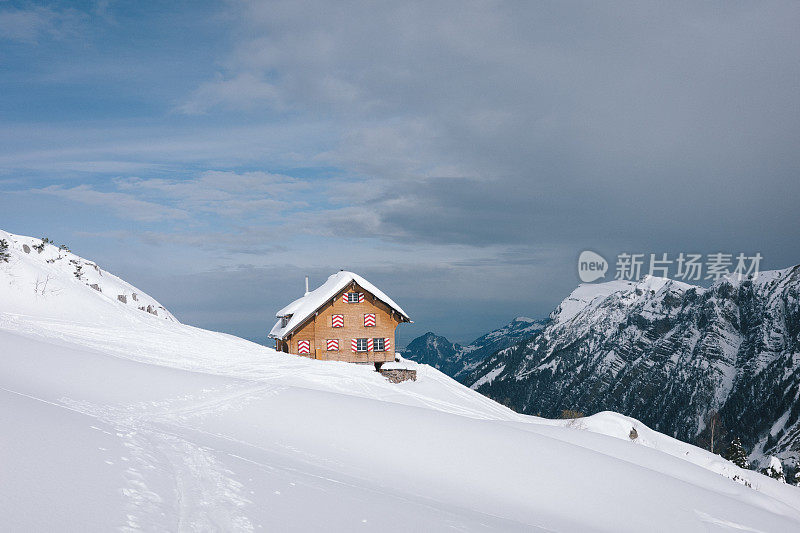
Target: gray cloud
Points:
(462, 154)
(123, 205)
(224, 193)
(644, 126)
(245, 91)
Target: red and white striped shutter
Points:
(344, 298)
(337, 321)
(332, 345)
(369, 319)
(387, 344)
(304, 347)
(369, 345)
(354, 345)
(360, 297)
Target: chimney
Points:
(306, 286)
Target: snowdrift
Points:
(118, 418)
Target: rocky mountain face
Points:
(667, 353)
(460, 361)
(434, 350)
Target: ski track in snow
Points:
(208, 496)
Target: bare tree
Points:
(41, 286)
(714, 432)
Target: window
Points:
(361, 345)
(379, 344)
(337, 321)
(304, 347)
(369, 320)
(332, 345)
(352, 297)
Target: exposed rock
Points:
(397, 375)
(26, 248)
(96, 287)
(122, 298)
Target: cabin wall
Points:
(319, 329)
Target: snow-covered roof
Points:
(304, 307)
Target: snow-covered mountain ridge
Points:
(667, 353)
(459, 361)
(116, 419)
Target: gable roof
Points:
(304, 307)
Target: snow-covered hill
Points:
(668, 353)
(115, 418)
(44, 279)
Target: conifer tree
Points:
(736, 454)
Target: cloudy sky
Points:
(459, 155)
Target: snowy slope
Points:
(40, 279)
(117, 419)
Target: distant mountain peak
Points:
(456, 360)
(667, 353)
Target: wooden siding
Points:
(318, 329)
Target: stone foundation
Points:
(396, 375)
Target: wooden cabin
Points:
(347, 318)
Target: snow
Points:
(117, 419)
(304, 306)
(775, 464)
(780, 423)
(44, 283)
(489, 377)
(587, 293)
(590, 295)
